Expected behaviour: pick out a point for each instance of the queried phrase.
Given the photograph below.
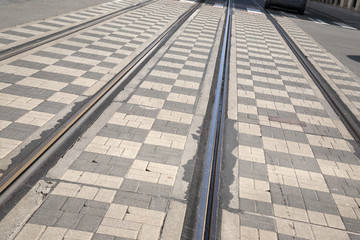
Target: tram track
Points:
(207, 206)
(29, 45)
(66, 134)
(341, 109)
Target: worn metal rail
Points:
(26, 46)
(207, 208)
(342, 110)
(66, 134)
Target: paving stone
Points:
(89, 223)
(17, 131)
(171, 127)
(159, 204)
(132, 199)
(49, 107)
(351, 224)
(250, 140)
(54, 202)
(29, 92)
(98, 236)
(73, 205)
(258, 222)
(253, 170)
(155, 189)
(68, 220)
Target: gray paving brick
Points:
(54, 202)
(256, 221)
(303, 96)
(159, 204)
(75, 65)
(50, 55)
(179, 107)
(246, 101)
(103, 169)
(135, 109)
(66, 46)
(322, 131)
(49, 107)
(107, 65)
(74, 89)
(123, 132)
(269, 85)
(287, 237)
(151, 93)
(89, 223)
(132, 199)
(243, 76)
(247, 205)
(17, 131)
(73, 205)
(159, 154)
(80, 40)
(101, 48)
(130, 185)
(98, 236)
(54, 76)
(10, 78)
(351, 224)
(16, 33)
(51, 24)
(185, 91)
(47, 213)
(11, 114)
(86, 210)
(342, 186)
(195, 59)
(292, 161)
(41, 220)
(250, 140)
(272, 98)
(28, 64)
(68, 220)
(171, 127)
(89, 56)
(276, 113)
(296, 84)
(253, 170)
(166, 69)
(6, 41)
(335, 155)
(93, 75)
(354, 236)
(30, 92)
(83, 165)
(155, 189)
(194, 68)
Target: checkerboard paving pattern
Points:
(10, 37)
(38, 86)
(347, 82)
(120, 186)
(296, 173)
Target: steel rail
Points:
(67, 133)
(208, 201)
(24, 47)
(342, 110)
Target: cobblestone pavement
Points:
(343, 81)
(290, 168)
(294, 171)
(122, 183)
(13, 36)
(39, 88)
